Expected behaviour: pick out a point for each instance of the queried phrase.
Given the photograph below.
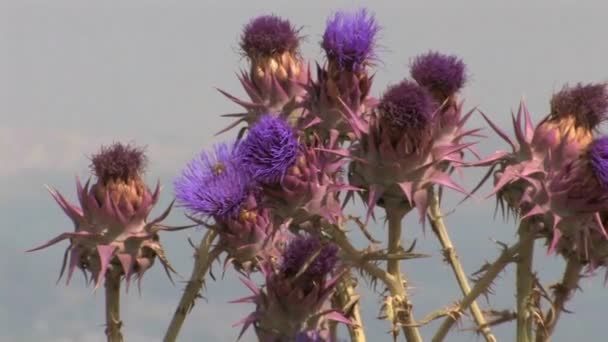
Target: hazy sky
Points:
(77, 74)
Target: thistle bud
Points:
(271, 44)
(295, 301)
(406, 113)
(575, 113)
(397, 158)
(111, 225)
(277, 76)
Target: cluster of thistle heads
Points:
(308, 143)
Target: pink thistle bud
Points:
(398, 169)
(111, 225)
(251, 237)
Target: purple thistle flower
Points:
(443, 75)
(598, 155)
(118, 162)
(587, 103)
(350, 38)
(267, 35)
(407, 107)
(213, 184)
(300, 250)
(269, 150)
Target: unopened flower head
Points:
(295, 301)
(350, 39)
(302, 250)
(269, 35)
(407, 109)
(112, 231)
(443, 75)
(269, 150)
(586, 103)
(119, 168)
(213, 184)
(118, 162)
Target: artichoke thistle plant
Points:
(273, 201)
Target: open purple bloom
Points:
(350, 38)
(408, 108)
(300, 250)
(118, 161)
(598, 155)
(269, 150)
(587, 103)
(267, 35)
(443, 75)
(213, 184)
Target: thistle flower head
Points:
(269, 35)
(587, 103)
(118, 162)
(350, 38)
(269, 150)
(294, 304)
(213, 184)
(301, 250)
(111, 227)
(443, 75)
(408, 109)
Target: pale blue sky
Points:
(76, 74)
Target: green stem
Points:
(113, 322)
(204, 257)
(563, 292)
(480, 287)
(525, 282)
(394, 217)
(451, 256)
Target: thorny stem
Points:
(355, 257)
(204, 257)
(113, 322)
(394, 216)
(563, 292)
(480, 287)
(347, 297)
(525, 282)
(449, 252)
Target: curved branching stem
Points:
(450, 255)
(562, 293)
(481, 286)
(204, 257)
(113, 322)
